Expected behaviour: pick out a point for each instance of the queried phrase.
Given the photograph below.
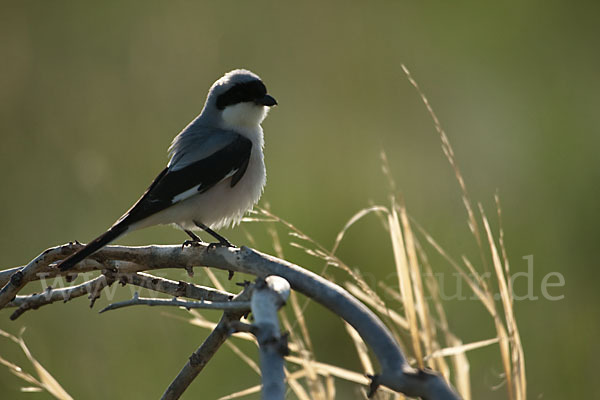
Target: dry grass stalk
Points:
(44, 381)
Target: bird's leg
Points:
(222, 241)
(195, 241)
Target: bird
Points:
(216, 171)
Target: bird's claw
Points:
(191, 243)
(221, 243)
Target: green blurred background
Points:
(91, 94)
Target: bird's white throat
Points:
(243, 115)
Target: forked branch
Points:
(396, 373)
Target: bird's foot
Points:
(221, 243)
(195, 240)
(192, 243)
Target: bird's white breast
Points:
(223, 205)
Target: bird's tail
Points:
(112, 234)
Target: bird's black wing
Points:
(174, 185)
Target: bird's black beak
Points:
(266, 100)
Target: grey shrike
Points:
(216, 172)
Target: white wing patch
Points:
(231, 173)
(187, 194)
(195, 189)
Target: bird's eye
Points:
(241, 92)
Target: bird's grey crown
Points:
(233, 77)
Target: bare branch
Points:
(19, 277)
(208, 305)
(36, 300)
(175, 288)
(94, 286)
(269, 295)
(204, 353)
(396, 373)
